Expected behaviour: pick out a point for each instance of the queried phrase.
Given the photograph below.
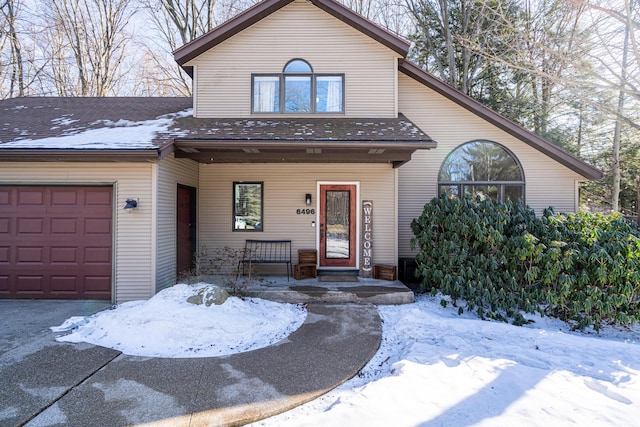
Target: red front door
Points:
(186, 229)
(338, 225)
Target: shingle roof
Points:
(317, 129)
(88, 129)
(36, 118)
(139, 129)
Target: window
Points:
(247, 206)
(482, 168)
(296, 89)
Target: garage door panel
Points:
(64, 255)
(5, 226)
(97, 285)
(5, 197)
(98, 197)
(98, 226)
(30, 197)
(5, 255)
(97, 256)
(64, 226)
(64, 198)
(30, 255)
(64, 284)
(56, 242)
(32, 284)
(30, 226)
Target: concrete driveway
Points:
(45, 383)
(35, 371)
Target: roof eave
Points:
(512, 128)
(227, 29)
(74, 155)
(362, 24)
(227, 143)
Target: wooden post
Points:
(366, 259)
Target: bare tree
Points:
(177, 22)
(10, 10)
(87, 45)
(450, 37)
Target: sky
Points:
(434, 367)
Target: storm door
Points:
(338, 225)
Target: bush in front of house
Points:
(502, 260)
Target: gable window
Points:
(247, 206)
(297, 90)
(482, 168)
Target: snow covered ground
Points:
(169, 326)
(434, 368)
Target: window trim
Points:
(282, 90)
(233, 207)
(500, 184)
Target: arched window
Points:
(297, 86)
(295, 90)
(482, 168)
(298, 66)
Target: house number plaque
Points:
(305, 211)
(366, 267)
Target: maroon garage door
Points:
(55, 242)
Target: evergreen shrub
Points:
(502, 260)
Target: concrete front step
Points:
(369, 291)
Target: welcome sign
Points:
(366, 264)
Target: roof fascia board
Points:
(479, 109)
(227, 29)
(209, 144)
(265, 8)
(362, 24)
(57, 155)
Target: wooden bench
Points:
(267, 252)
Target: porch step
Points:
(369, 291)
(341, 272)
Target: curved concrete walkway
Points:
(332, 345)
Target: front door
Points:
(338, 225)
(186, 229)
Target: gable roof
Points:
(86, 129)
(265, 8)
(399, 45)
(512, 128)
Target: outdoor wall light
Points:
(131, 204)
(307, 198)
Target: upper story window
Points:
(297, 90)
(482, 168)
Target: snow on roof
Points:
(119, 123)
(120, 135)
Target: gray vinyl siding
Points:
(548, 183)
(171, 172)
(222, 87)
(285, 187)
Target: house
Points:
(306, 123)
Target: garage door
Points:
(55, 242)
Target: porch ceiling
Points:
(300, 140)
(208, 151)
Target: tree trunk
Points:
(615, 161)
